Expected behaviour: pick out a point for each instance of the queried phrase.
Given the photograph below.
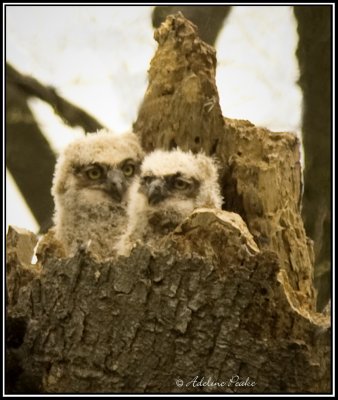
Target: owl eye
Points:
(146, 180)
(128, 170)
(180, 184)
(94, 173)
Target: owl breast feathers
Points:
(91, 189)
(170, 186)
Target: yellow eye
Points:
(94, 173)
(128, 170)
(180, 184)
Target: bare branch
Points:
(70, 114)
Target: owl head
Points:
(96, 169)
(170, 186)
(173, 177)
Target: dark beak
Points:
(117, 185)
(156, 191)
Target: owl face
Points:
(179, 179)
(96, 171)
(111, 180)
(170, 186)
(177, 186)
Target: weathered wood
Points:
(211, 305)
(209, 19)
(260, 170)
(181, 105)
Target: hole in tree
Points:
(172, 144)
(214, 147)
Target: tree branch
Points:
(315, 61)
(70, 114)
(29, 156)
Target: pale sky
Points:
(97, 57)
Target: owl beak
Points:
(116, 184)
(156, 191)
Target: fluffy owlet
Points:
(91, 187)
(170, 186)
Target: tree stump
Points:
(227, 306)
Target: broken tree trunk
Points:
(261, 171)
(226, 306)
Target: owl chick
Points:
(170, 186)
(91, 187)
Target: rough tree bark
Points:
(226, 306)
(208, 19)
(261, 174)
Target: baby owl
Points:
(170, 186)
(91, 189)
